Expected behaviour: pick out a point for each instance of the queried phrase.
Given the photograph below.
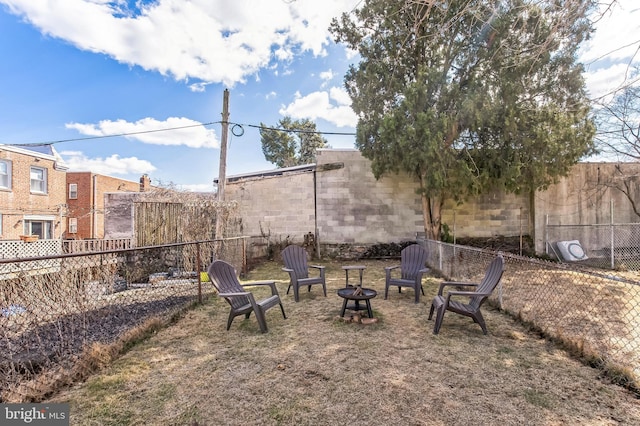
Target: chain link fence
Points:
(57, 312)
(611, 246)
(593, 312)
(60, 314)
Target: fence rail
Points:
(82, 246)
(592, 310)
(50, 316)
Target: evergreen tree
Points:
(469, 95)
(291, 143)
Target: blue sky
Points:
(81, 68)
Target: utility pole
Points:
(222, 175)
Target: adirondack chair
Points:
(223, 277)
(412, 266)
(483, 290)
(295, 263)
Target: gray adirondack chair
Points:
(412, 267)
(295, 263)
(223, 277)
(483, 290)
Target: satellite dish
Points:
(571, 251)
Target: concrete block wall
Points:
(282, 206)
(354, 207)
(587, 196)
(489, 215)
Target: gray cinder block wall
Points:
(276, 205)
(489, 215)
(354, 207)
(339, 200)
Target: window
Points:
(1, 224)
(73, 191)
(5, 174)
(38, 180)
(73, 225)
(41, 228)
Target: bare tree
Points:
(618, 136)
(618, 125)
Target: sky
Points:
(72, 71)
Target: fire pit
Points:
(357, 294)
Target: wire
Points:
(236, 132)
(301, 131)
(237, 129)
(111, 136)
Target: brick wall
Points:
(18, 202)
(81, 207)
(88, 209)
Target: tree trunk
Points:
(432, 214)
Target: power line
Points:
(299, 131)
(111, 136)
(168, 129)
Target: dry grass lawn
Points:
(314, 369)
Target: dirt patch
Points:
(56, 344)
(501, 243)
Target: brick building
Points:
(85, 200)
(32, 192)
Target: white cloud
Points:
(318, 105)
(327, 75)
(198, 87)
(183, 131)
(615, 25)
(605, 81)
(113, 165)
(340, 95)
(283, 54)
(612, 52)
(350, 53)
(209, 40)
